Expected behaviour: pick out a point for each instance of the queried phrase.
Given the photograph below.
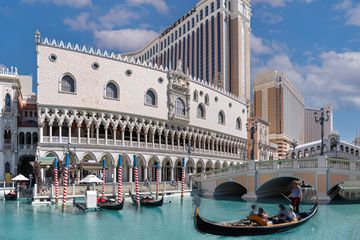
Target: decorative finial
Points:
(37, 36)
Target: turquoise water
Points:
(19, 220)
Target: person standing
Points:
(295, 196)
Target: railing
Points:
(303, 163)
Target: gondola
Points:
(111, 205)
(147, 201)
(10, 196)
(247, 227)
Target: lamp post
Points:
(321, 120)
(293, 146)
(252, 128)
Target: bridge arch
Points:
(274, 187)
(229, 191)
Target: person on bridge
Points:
(295, 196)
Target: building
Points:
(312, 128)
(18, 118)
(213, 42)
(278, 102)
(107, 104)
(263, 148)
(334, 147)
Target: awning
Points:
(46, 161)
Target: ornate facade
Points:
(106, 105)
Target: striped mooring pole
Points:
(183, 179)
(120, 179)
(66, 178)
(157, 178)
(56, 180)
(136, 182)
(103, 180)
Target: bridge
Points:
(260, 179)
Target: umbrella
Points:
(20, 177)
(90, 179)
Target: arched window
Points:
(35, 138)
(221, 117)
(26, 114)
(67, 84)
(21, 138)
(150, 98)
(7, 137)
(207, 99)
(7, 102)
(179, 107)
(238, 123)
(196, 96)
(7, 167)
(200, 112)
(111, 91)
(31, 114)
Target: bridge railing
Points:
(299, 163)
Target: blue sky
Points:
(315, 42)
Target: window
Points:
(111, 91)
(7, 102)
(221, 117)
(207, 102)
(196, 98)
(180, 107)
(200, 112)
(238, 123)
(67, 84)
(7, 167)
(150, 98)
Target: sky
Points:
(316, 43)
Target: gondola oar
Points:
(286, 197)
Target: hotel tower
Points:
(213, 42)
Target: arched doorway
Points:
(199, 166)
(25, 167)
(109, 165)
(190, 166)
(178, 170)
(209, 165)
(166, 170)
(152, 169)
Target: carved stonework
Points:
(178, 87)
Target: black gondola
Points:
(10, 196)
(111, 205)
(147, 201)
(247, 227)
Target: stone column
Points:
(130, 174)
(60, 131)
(79, 133)
(50, 131)
(145, 172)
(153, 139)
(172, 173)
(172, 141)
(88, 133)
(122, 137)
(131, 134)
(138, 137)
(69, 135)
(41, 133)
(146, 139)
(114, 135)
(106, 135)
(97, 135)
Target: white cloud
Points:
(259, 47)
(273, 3)
(333, 79)
(160, 5)
(351, 12)
(80, 22)
(68, 3)
(117, 16)
(125, 40)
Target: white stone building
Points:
(105, 105)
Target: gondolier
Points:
(295, 196)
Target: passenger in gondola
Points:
(281, 215)
(263, 214)
(291, 215)
(254, 210)
(295, 196)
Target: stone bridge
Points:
(259, 179)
